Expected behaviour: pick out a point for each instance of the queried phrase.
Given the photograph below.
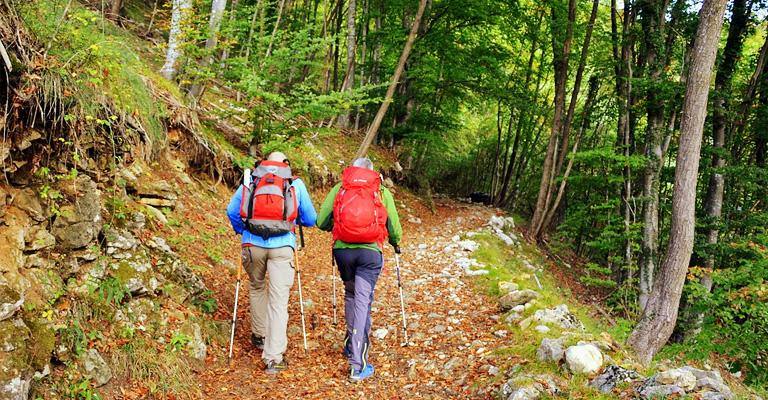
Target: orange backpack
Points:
(359, 215)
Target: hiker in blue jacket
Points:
(271, 254)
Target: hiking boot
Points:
(257, 341)
(357, 376)
(274, 367)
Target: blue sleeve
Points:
(307, 213)
(233, 211)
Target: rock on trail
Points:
(450, 325)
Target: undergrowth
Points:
(93, 68)
(506, 264)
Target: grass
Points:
(161, 371)
(506, 264)
(102, 78)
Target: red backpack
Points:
(268, 206)
(359, 215)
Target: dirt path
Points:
(450, 324)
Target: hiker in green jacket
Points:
(362, 216)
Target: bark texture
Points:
(179, 12)
(660, 314)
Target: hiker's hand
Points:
(397, 249)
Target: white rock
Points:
(542, 329)
(584, 359)
(505, 238)
(476, 272)
(526, 393)
(380, 333)
(678, 377)
(422, 246)
(506, 287)
(558, 316)
(468, 245)
(550, 350)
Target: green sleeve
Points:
(325, 217)
(393, 220)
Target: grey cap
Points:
(363, 162)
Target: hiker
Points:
(265, 214)
(361, 214)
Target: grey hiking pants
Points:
(359, 269)
(269, 302)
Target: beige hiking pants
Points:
(269, 301)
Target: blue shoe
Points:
(357, 376)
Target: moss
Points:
(505, 263)
(14, 336)
(45, 339)
(124, 272)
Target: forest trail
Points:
(445, 315)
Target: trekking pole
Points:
(246, 182)
(234, 312)
(400, 286)
(333, 279)
(301, 297)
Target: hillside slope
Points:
(117, 268)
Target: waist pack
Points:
(269, 206)
(359, 215)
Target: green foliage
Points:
(178, 342)
(73, 337)
(82, 391)
(116, 206)
(206, 302)
(113, 291)
(101, 78)
(735, 312)
(597, 275)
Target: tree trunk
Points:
(508, 171)
(114, 10)
(653, 18)
(374, 128)
(251, 30)
(761, 135)
(179, 15)
(214, 23)
(494, 171)
(349, 78)
(585, 120)
(660, 314)
(713, 203)
(757, 81)
(623, 71)
(225, 53)
(561, 46)
(576, 87)
(337, 45)
(280, 9)
(363, 54)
